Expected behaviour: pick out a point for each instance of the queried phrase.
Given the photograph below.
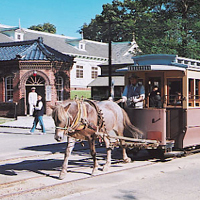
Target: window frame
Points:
(59, 87)
(172, 95)
(94, 72)
(79, 71)
(9, 97)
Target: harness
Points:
(80, 121)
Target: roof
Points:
(103, 81)
(162, 62)
(5, 38)
(121, 51)
(31, 50)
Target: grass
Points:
(3, 120)
(80, 93)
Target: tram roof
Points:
(161, 62)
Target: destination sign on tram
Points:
(139, 67)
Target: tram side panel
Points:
(192, 136)
(151, 121)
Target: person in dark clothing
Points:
(38, 114)
(155, 98)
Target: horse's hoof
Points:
(62, 175)
(127, 160)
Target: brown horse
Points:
(83, 119)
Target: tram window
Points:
(174, 91)
(197, 92)
(191, 92)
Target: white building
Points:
(88, 54)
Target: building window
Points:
(59, 87)
(9, 88)
(94, 72)
(79, 71)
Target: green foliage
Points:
(159, 26)
(80, 93)
(46, 27)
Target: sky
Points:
(67, 15)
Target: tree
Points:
(46, 27)
(159, 26)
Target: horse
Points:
(82, 119)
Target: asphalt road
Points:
(175, 179)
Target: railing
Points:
(194, 101)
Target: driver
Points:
(134, 93)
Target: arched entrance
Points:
(38, 82)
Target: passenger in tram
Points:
(177, 99)
(155, 98)
(134, 93)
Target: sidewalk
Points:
(26, 122)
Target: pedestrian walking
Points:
(38, 114)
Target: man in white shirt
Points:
(32, 100)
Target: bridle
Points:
(78, 123)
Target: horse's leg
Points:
(124, 154)
(91, 141)
(108, 159)
(70, 146)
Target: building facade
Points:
(31, 63)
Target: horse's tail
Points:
(129, 129)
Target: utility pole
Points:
(110, 59)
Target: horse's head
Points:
(61, 118)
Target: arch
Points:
(30, 73)
(23, 84)
(27, 75)
(35, 80)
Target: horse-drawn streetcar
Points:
(174, 124)
(177, 121)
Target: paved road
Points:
(177, 179)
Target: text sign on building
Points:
(139, 67)
(48, 93)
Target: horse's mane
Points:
(59, 114)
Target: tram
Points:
(177, 123)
